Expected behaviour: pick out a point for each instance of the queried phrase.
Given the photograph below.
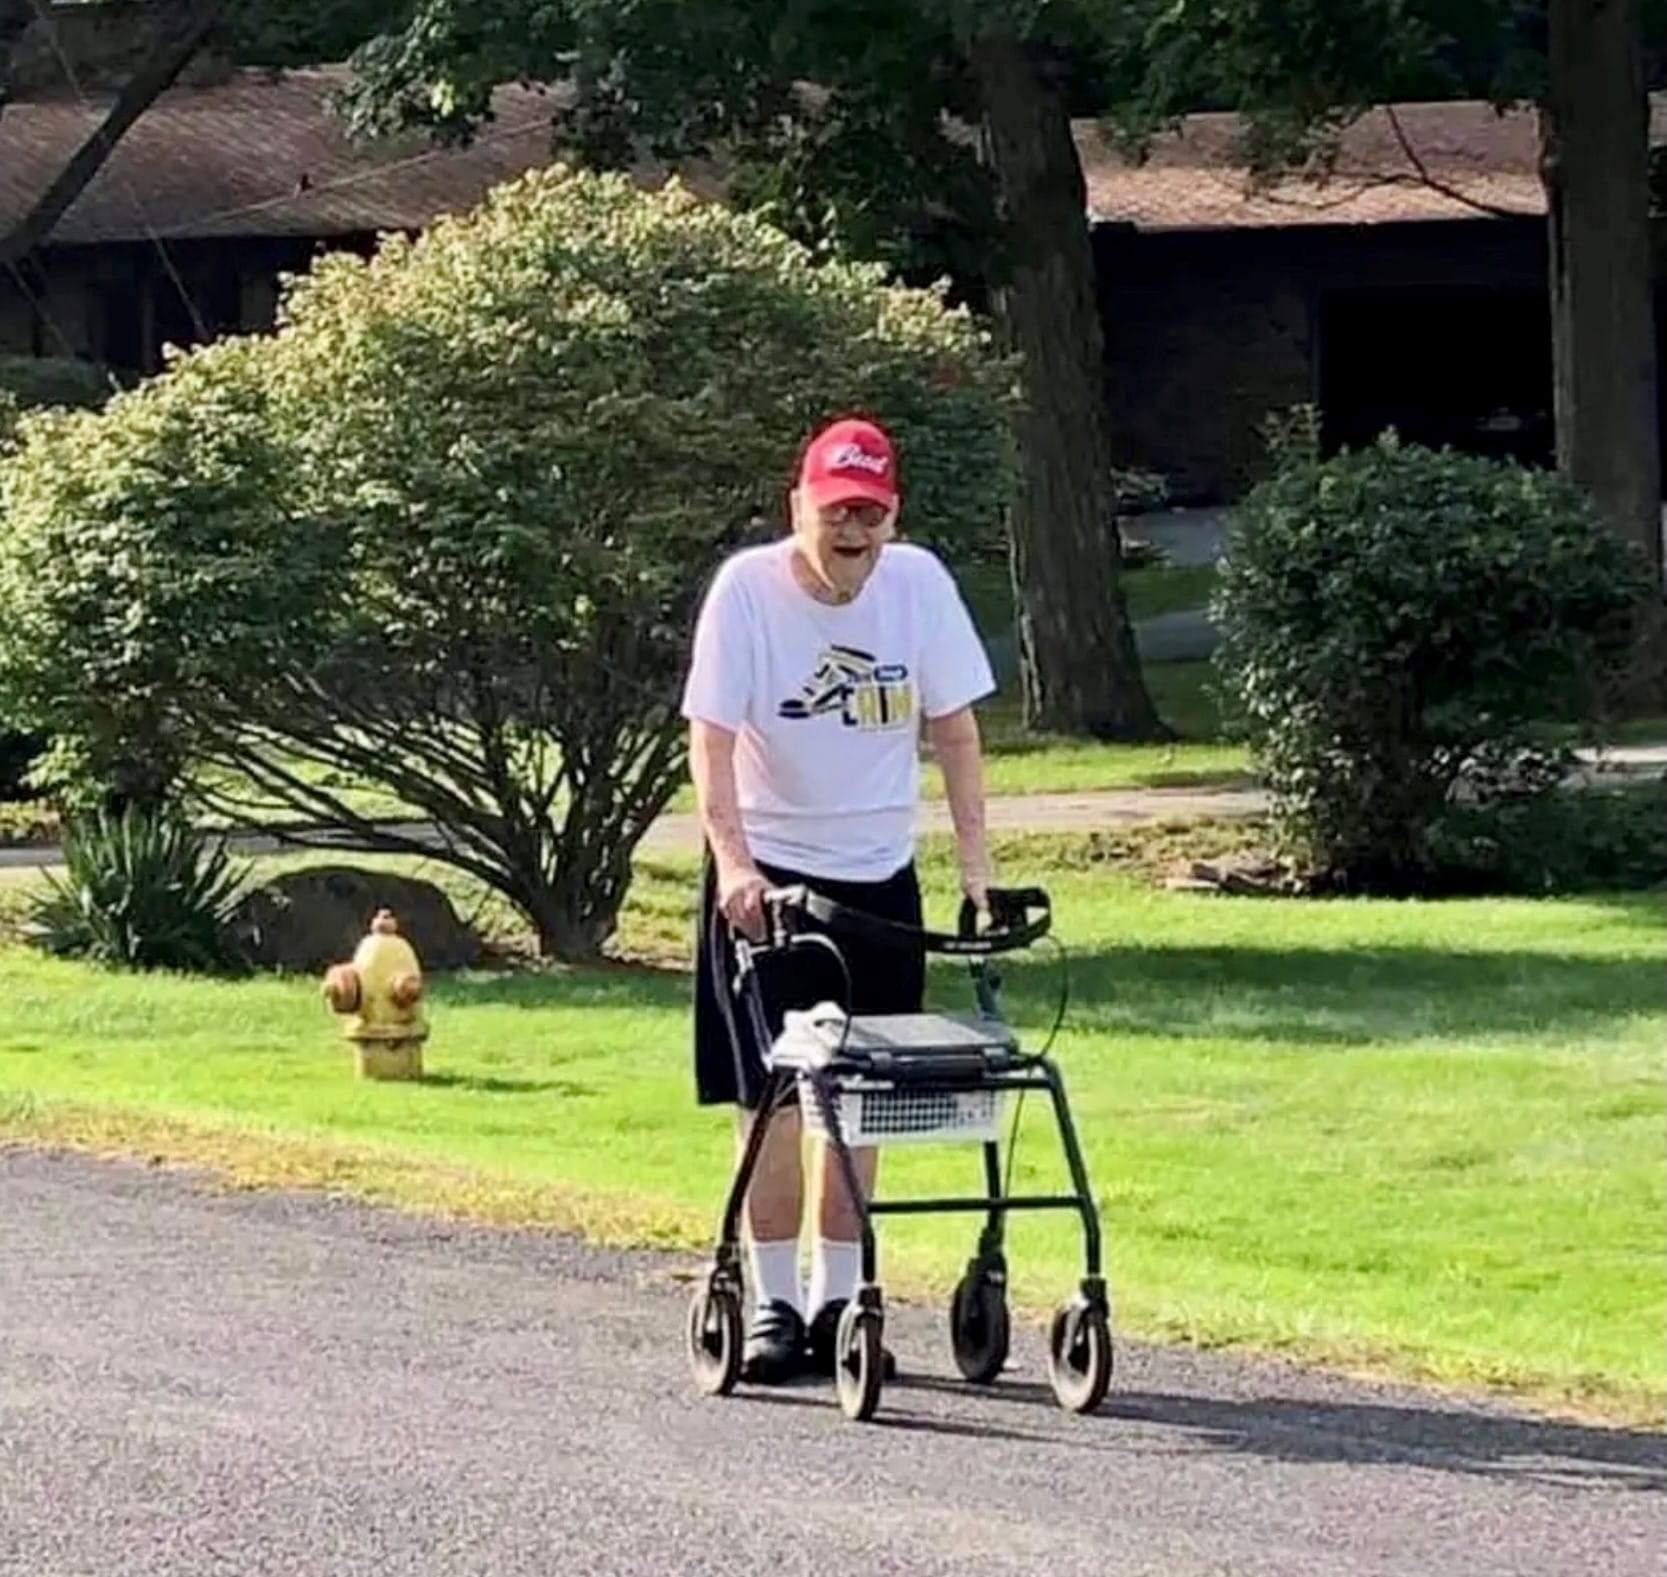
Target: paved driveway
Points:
(194, 1382)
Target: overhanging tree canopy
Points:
(841, 118)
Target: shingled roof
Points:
(1417, 162)
(257, 155)
(262, 155)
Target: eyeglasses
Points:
(867, 515)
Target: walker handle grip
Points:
(1010, 911)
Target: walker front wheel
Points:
(859, 1358)
(714, 1339)
(1079, 1356)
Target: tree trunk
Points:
(1595, 168)
(1077, 652)
(572, 921)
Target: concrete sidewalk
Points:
(678, 832)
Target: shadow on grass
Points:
(1284, 1429)
(1350, 998)
(487, 1086)
(1293, 995)
(1190, 779)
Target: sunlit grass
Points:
(1423, 1137)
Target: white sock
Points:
(835, 1269)
(775, 1273)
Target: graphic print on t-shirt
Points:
(868, 694)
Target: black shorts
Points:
(884, 978)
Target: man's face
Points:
(842, 541)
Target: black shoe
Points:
(775, 1349)
(824, 1333)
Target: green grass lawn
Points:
(1421, 1138)
(1018, 762)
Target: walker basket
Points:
(871, 1113)
(925, 1078)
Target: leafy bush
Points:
(146, 550)
(141, 891)
(1395, 621)
(445, 532)
(34, 381)
(29, 382)
(1585, 840)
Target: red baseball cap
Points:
(850, 459)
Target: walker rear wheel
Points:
(859, 1359)
(714, 1339)
(979, 1328)
(1079, 1356)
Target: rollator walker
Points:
(908, 1079)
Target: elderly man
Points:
(818, 660)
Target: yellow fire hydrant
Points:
(380, 992)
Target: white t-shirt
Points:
(827, 702)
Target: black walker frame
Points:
(929, 1053)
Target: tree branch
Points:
(314, 718)
(157, 72)
(365, 834)
(1437, 185)
(381, 763)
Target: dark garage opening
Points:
(1467, 368)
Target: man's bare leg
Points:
(775, 1197)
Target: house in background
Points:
(218, 190)
(1409, 292)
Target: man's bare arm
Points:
(958, 747)
(712, 767)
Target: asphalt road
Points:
(203, 1382)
